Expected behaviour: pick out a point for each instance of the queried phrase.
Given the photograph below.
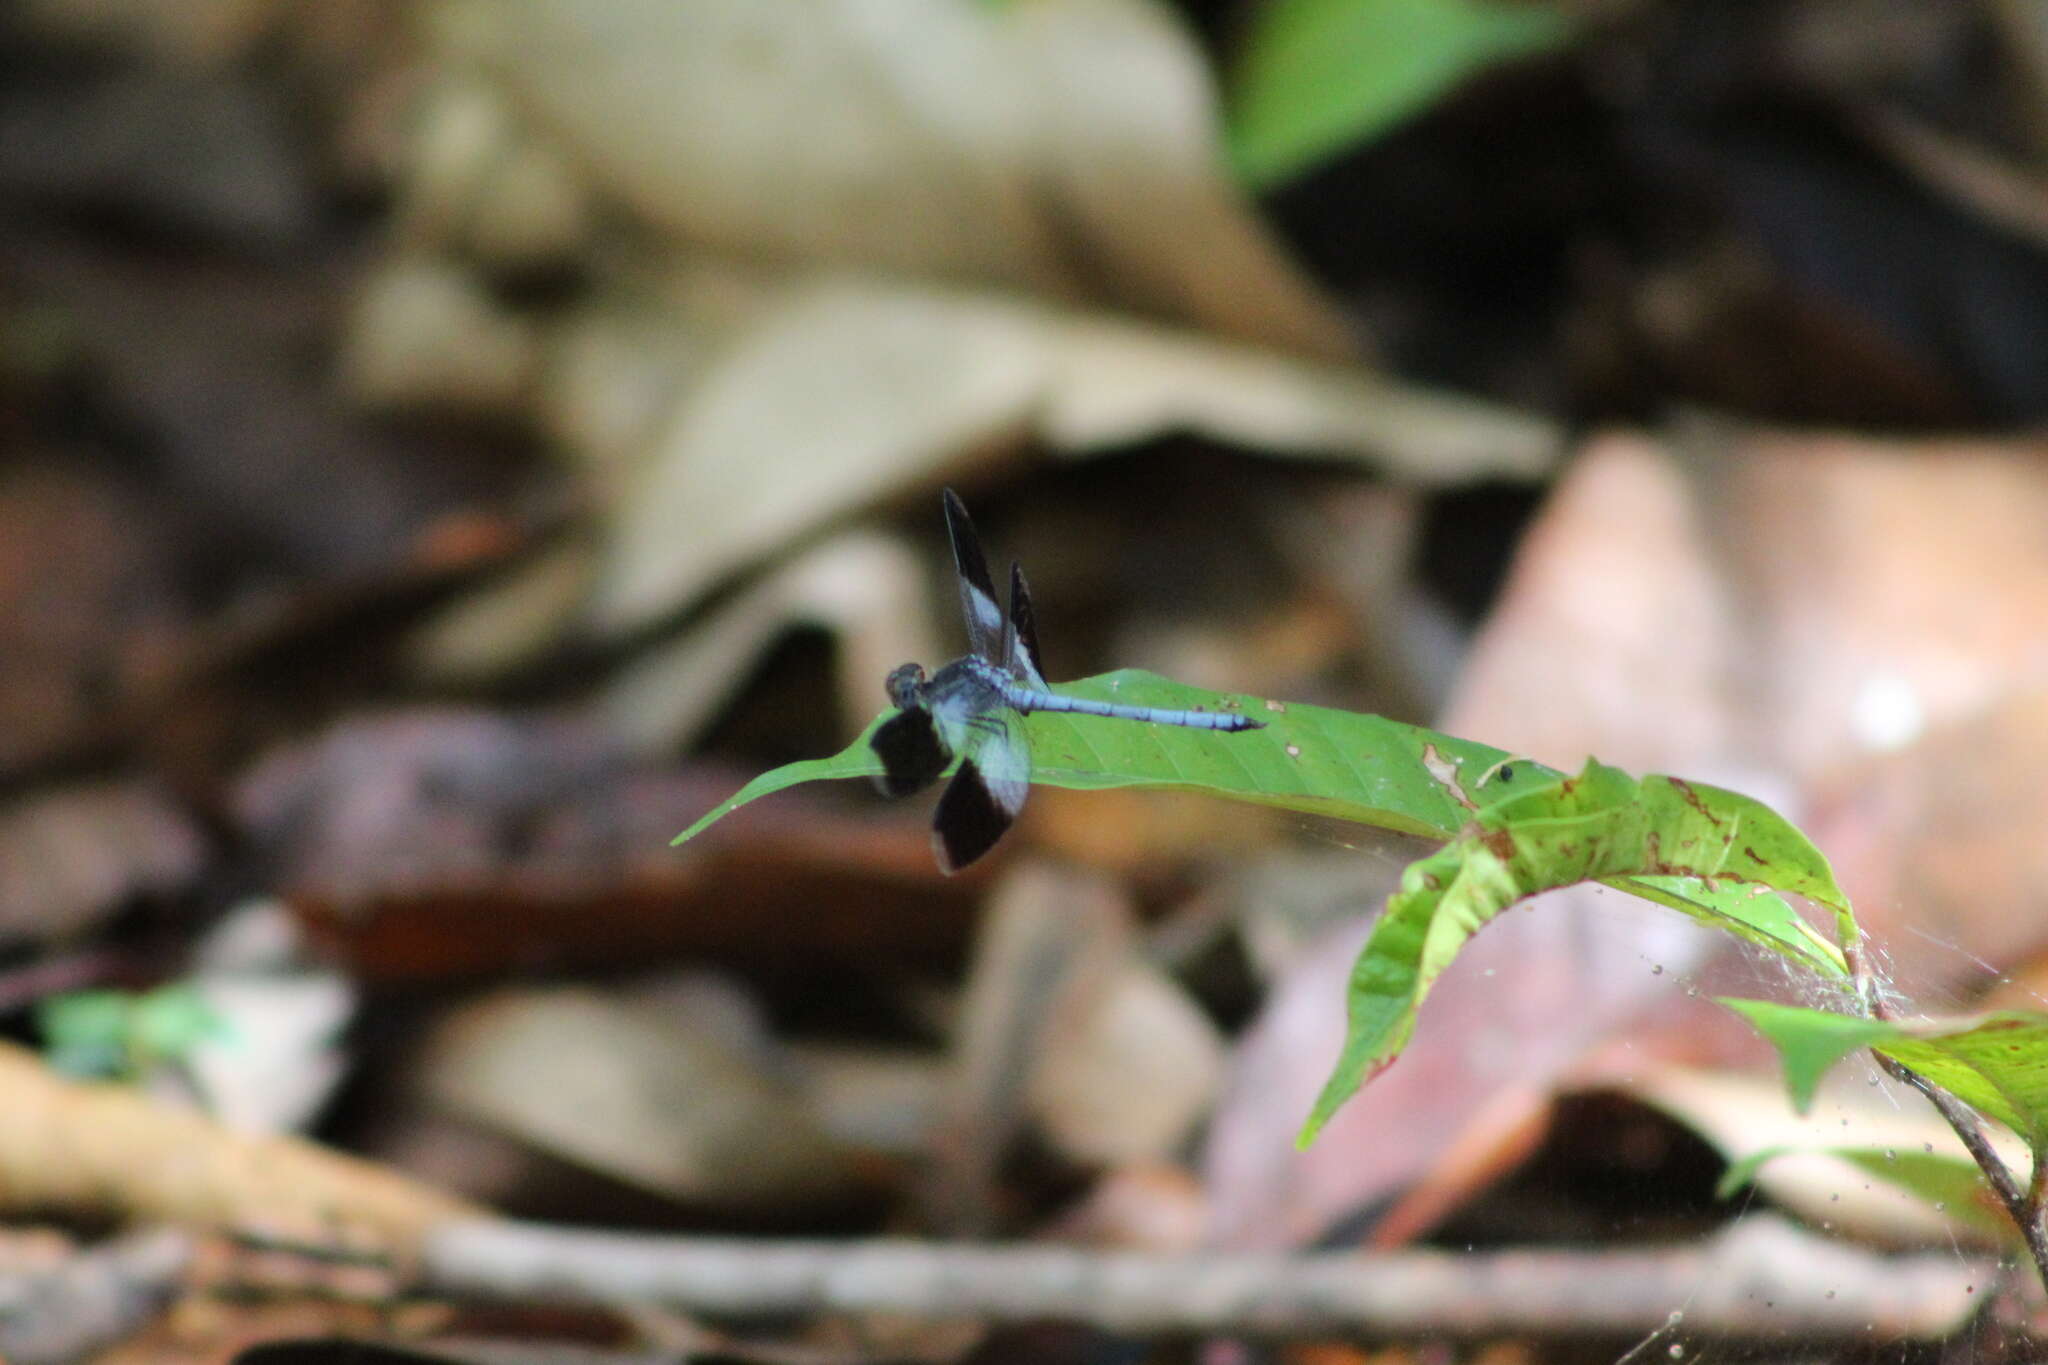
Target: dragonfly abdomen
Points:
(1024, 699)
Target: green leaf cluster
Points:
(111, 1033)
(1995, 1063)
(1508, 829)
(1317, 76)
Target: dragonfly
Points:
(971, 709)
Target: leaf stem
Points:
(2024, 1206)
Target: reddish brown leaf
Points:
(440, 841)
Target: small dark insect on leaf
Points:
(974, 708)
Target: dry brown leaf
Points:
(1939, 846)
(1777, 600)
(298, 476)
(1768, 607)
(442, 841)
(1043, 929)
(1054, 155)
(1465, 1101)
(72, 643)
(1890, 586)
(199, 32)
(1614, 634)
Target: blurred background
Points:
(449, 445)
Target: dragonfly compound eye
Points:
(904, 682)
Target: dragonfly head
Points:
(906, 685)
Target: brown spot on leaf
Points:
(1693, 799)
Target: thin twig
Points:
(1964, 1121)
(2024, 1207)
(1761, 1279)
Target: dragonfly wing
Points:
(977, 591)
(986, 794)
(1020, 641)
(911, 752)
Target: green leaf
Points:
(1320, 75)
(1952, 1184)
(1368, 769)
(1809, 1042)
(1995, 1063)
(1511, 828)
(121, 1033)
(1743, 1172)
(169, 1022)
(1308, 758)
(1683, 844)
(86, 1032)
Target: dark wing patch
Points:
(1022, 636)
(971, 818)
(977, 591)
(912, 756)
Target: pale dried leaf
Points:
(871, 1097)
(1067, 147)
(1126, 1076)
(1945, 860)
(482, 182)
(635, 1093)
(1614, 634)
(867, 590)
(428, 332)
(507, 623)
(1874, 619)
(849, 389)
